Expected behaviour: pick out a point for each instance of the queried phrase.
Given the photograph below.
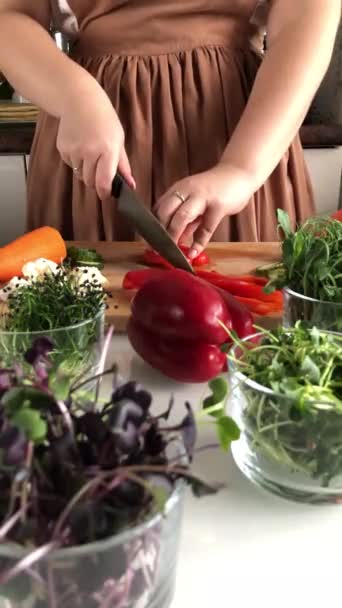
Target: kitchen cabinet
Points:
(12, 197)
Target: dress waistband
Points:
(161, 37)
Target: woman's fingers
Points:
(88, 173)
(105, 171)
(186, 214)
(167, 207)
(187, 236)
(125, 170)
(210, 221)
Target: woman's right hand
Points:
(91, 141)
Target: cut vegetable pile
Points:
(247, 289)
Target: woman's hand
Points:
(91, 141)
(208, 197)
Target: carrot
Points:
(44, 242)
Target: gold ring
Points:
(180, 196)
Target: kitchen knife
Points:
(147, 225)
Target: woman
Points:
(172, 95)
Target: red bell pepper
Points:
(179, 305)
(182, 360)
(242, 319)
(176, 325)
(152, 258)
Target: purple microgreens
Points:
(73, 472)
(28, 561)
(39, 351)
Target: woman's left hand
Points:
(194, 207)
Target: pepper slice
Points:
(240, 287)
(152, 258)
(135, 279)
(337, 215)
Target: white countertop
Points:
(245, 548)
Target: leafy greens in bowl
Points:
(286, 397)
(310, 272)
(63, 303)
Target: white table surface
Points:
(244, 548)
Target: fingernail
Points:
(132, 183)
(193, 254)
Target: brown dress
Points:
(179, 73)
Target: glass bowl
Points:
(76, 351)
(280, 450)
(135, 569)
(317, 313)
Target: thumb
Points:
(124, 168)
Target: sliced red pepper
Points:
(238, 287)
(337, 215)
(180, 360)
(257, 307)
(152, 258)
(135, 279)
(250, 278)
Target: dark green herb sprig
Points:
(311, 259)
(84, 257)
(299, 424)
(53, 302)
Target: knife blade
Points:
(147, 225)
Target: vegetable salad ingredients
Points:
(44, 242)
(248, 290)
(179, 326)
(298, 423)
(152, 258)
(75, 471)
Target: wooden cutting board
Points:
(227, 258)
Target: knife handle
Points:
(117, 185)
